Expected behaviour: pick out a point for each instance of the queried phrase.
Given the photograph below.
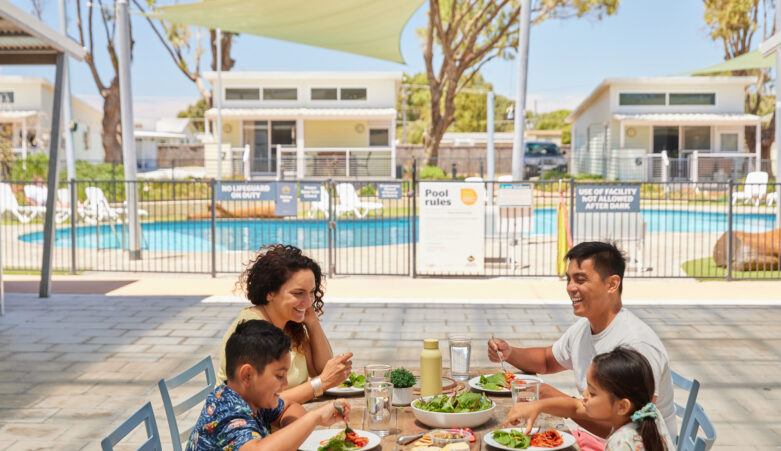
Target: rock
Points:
(750, 251)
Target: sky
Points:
(567, 58)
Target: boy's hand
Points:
(523, 410)
(336, 370)
(327, 414)
(496, 346)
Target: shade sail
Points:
(747, 61)
(364, 27)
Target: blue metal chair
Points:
(171, 410)
(693, 387)
(689, 441)
(143, 415)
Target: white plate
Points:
(475, 383)
(344, 391)
(568, 440)
(313, 441)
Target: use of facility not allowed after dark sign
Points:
(607, 199)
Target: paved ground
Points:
(73, 366)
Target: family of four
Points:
(276, 356)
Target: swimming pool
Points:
(249, 234)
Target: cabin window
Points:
(323, 94)
(242, 94)
(693, 98)
(638, 98)
(280, 94)
(353, 93)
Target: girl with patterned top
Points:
(620, 391)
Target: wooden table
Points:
(404, 422)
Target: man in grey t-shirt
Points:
(594, 284)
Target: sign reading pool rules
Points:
(245, 191)
(286, 202)
(389, 190)
(607, 199)
(452, 227)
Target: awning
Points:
(747, 61)
(26, 40)
(690, 118)
(371, 28)
(17, 114)
(340, 113)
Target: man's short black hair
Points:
(256, 342)
(606, 257)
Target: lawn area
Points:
(706, 269)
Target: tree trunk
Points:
(768, 133)
(227, 40)
(112, 118)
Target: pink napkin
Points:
(587, 441)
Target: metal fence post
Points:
(73, 200)
(729, 231)
(414, 213)
(214, 229)
(572, 208)
(331, 226)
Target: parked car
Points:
(541, 157)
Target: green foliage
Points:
(555, 120)
(36, 165)
(432, 173)
(588, 177)
(367, 190)
(555, 175)
(196, 111)
(402, 378)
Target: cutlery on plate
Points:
(347, 428)
(501, 360)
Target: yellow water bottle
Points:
(430, 368)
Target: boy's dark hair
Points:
(608, 260)
(625, 373)
(256, 342)
(274, 266)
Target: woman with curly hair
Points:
(286, 289)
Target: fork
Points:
(501, 360)
(347, 428)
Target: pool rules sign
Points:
(451, 228)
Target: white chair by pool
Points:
(8, 203)
(97, 209)
(350, 203)
(754, 189)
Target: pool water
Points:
(249, 234)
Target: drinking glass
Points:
(460, 353)
(525, 390)
(379, 406)
(377, 372)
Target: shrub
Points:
(555, 175)
(432, 173)
(402, 378)
(367, 190)
(588, 177)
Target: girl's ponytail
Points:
(652, 441)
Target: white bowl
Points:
(452, 420)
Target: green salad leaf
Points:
(494, 382)
(338, 443)
(464, 402)
(512, 439)
(354, 381)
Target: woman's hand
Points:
(336, 370)
(497, 346)
(310, 317)
(523, 410)
(327, 414)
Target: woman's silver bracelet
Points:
(317, 386)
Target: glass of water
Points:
(460, 352)
(378, 372)
(379, 407)
(525, 390)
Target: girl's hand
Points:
(497, 346)
(327, 414)
(523, 410)
(336, 370)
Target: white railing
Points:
(723, 166)
(328, 162)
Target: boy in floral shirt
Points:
(238, 414)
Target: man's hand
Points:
(327, 414)
(496, 347)
(523, 410)
(336, 370)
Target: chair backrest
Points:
(505, 178)
(689, 439)
(347, 195)
(7, 199)
(756, 183)
(97, 205)
(473, 179)
(143, 415)
(171, 410)
(322, 204)
(64, 196)
(693, 388)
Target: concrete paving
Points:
(72, 367)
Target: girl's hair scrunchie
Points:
(648, 411)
